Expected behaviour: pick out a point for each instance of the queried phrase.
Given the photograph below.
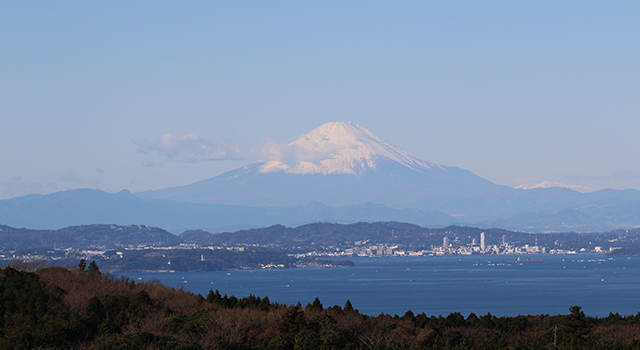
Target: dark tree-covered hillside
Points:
(58, 308)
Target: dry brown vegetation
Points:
(54, 307)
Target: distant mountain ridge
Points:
(551, 184)
(343, 164)
(341, 173)
(86, 207)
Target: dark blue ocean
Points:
(440, 285)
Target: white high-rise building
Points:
(445, 243)
(482, 244)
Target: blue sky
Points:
(516, 92)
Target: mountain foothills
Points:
(86, 207)
(138, 248)
(78, 308)
(339, 172)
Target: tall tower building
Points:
(482, 243)
(445, 243)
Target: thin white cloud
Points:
(193, 149)
(274, 151)
(150, 164)
(188, 149)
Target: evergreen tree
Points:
(348, 307)
(93, 268)
(574, 328)
(82, 265)
(317, 305)
(214, 297)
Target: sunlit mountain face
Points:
(344, 164)
(340, 148)
(336, 164)
(338, 172)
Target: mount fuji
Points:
(345, 165)
(341, 148)
(338, 172)
(336, 164)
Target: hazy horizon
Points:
(150, 95)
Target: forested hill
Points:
(310, 237)
(307, 236)
(330, 234)
(411, 237)
(58, 308)
(85, 236)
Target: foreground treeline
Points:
(60, 308)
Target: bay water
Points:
(439, 285)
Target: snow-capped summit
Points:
(334, 164)
(339, 148)
(346, 167)
(553, 184)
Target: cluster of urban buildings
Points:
(361, 249)
(358, 248)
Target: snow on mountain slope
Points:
(342, 164)
(339, 148)
(552, 184)
(336, 164)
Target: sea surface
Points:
(440, 285)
